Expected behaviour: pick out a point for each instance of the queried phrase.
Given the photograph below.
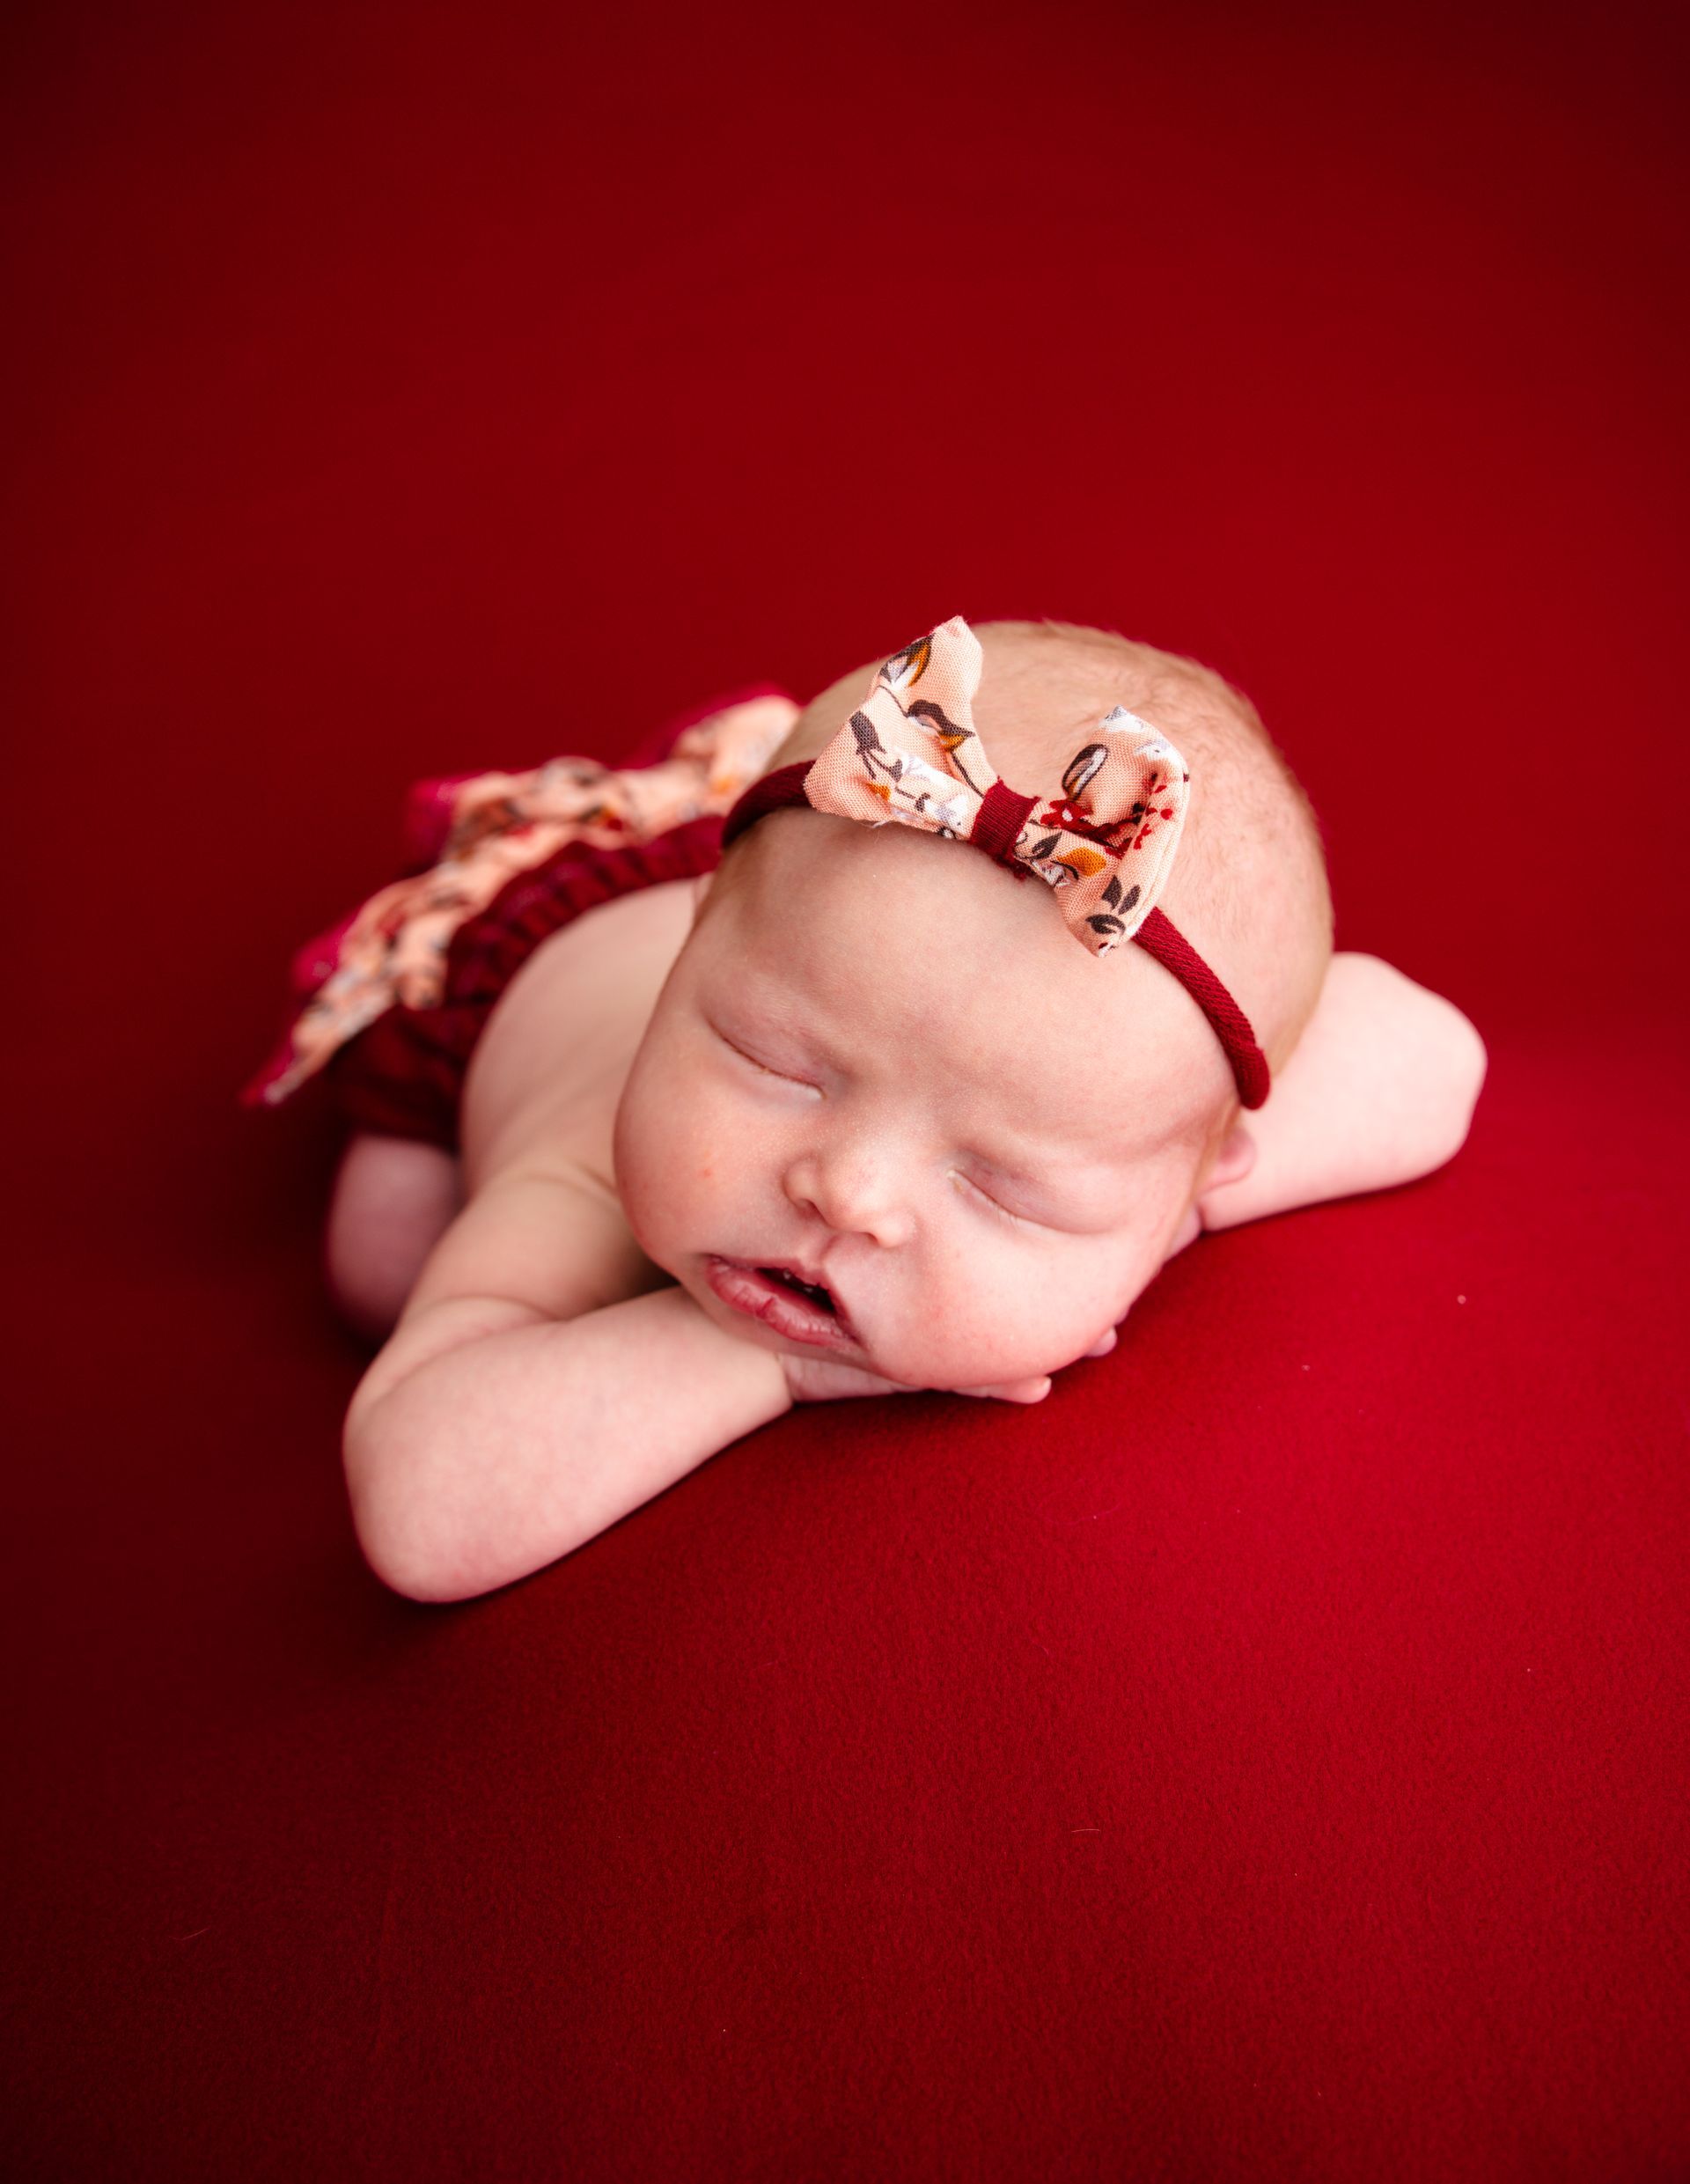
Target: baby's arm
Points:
(1380, 1089)
(525, 1401)
(520, 1436)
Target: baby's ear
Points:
(1234, 1160)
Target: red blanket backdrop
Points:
(1274, 1767)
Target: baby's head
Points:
(880, 1058)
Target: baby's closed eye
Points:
(762, 1068)
(975, 1191)
(1021, 1220)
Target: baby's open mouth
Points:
(806, 1312)
(814, 1290)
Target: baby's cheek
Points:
(666, 1161)
(697, 1177)
(999, 1321)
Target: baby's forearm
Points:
(496, 1457)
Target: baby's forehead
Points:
(919, 959)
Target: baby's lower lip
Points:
(783, 1310)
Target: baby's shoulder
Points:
(551, 1236)
(547, 1075)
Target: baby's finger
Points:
(1014, 1391)
(1104, 1344)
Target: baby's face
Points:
(908, 1079)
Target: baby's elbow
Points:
(403, 1543)
(1463, 1062)
(399, 1553)
(413, 1579)
(427, 1542)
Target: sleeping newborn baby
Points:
(847, 1107)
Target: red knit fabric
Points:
(776, 792)
(1163, 939)
(999, 818)
(404, 1075)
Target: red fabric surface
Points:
(1264, 1757)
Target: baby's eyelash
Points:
(762, 1068)
(1019, 1220)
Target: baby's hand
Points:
(814, 1380)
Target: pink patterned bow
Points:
(1107, 845)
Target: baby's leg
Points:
(393, 1198)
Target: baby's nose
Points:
(854, 1193)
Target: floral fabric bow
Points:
(1105, 845)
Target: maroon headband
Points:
(998, 823)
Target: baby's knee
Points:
(393, 1198)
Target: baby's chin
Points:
(907, 1361)
(891, 1343)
